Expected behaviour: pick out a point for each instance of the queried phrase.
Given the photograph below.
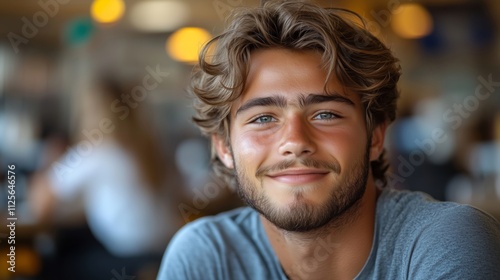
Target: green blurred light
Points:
(79, 31)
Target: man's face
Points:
(301, 155)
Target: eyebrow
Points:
(280, 101)
(321, 98)
(275, 101)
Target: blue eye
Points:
(264, 119)
(325, 116)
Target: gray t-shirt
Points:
(416, 237)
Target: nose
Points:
(296, 138)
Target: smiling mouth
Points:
(299, 176)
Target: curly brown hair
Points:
(360, 61)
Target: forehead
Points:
(292, 74)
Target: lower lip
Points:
(299, 178)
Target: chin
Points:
(298, 196)
(292, 203)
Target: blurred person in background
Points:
(116, 168)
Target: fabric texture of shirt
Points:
(415, 237)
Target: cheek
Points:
(345, 144)
(251, 147)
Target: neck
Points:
(339, 249)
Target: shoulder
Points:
(444, 238)
(236, 220)
(420, 209)
(420, 215)
(195, 249)
(459, 241)
(215, 227)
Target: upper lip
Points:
(298, 171)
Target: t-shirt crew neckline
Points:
(277, 263)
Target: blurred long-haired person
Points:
(118, 172)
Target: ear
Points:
(377, 144)
(223, 151)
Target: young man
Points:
(296, 100)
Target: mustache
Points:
(305, 162)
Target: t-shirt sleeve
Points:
(461, 243)
(70, 173)
(190, 255)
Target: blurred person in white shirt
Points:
(117, 169)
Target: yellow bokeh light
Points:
(185, 44)
(412, 21)
(107, 11)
